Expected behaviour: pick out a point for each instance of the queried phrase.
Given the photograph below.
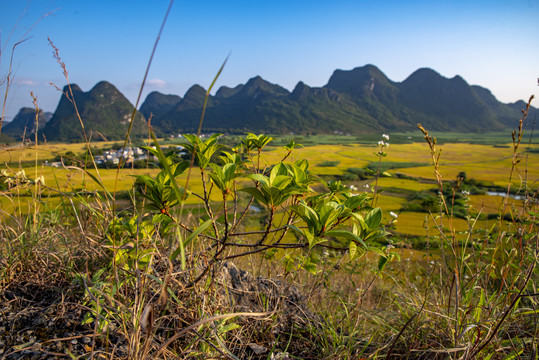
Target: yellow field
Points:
(16, 154)
(423, 224)
(481, 162)
(68, 180)
(416, 152)
(389, 203)
(406, 184)
(492, 204)
(318, 154)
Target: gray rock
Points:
(257, 349)
(249, 294)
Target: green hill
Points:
(24, 123)
(104, 110)
(157, 104)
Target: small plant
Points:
(382, 145)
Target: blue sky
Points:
(489, 43)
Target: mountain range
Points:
(24, 123)
(361, 100)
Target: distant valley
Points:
(362, 100)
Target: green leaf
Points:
(355, 202)
(382, 261)
(315, 240)
(376, 250)
(292, 145)
(296, 229)
(179, 194)
(280, 181)
(260, 178)
(310, 238)
(373, 218)
(346, 235)
(353, 250)
(479, 307)
(228, 327)
(24, 345)
(277, 170)
(257, 194)
(310, 267)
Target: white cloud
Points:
(158, 83)
(26, 82)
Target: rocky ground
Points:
(44, 321)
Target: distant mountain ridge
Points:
(104, 110)
(24, 123)
(361, 100)
(157, 104)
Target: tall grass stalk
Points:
(483, 283)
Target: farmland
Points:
(484, 163)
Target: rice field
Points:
(404, 184)
(14, 155)
(423, 224)
(481, 162)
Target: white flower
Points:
(393, 215)
(353, 188)
(385, 136)
(21, 174)
(465, 193)
(381, 143)
(40, 180)
(366, 186)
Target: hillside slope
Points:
(105, 113)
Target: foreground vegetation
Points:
(239, 252)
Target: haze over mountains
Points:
(362, 100)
